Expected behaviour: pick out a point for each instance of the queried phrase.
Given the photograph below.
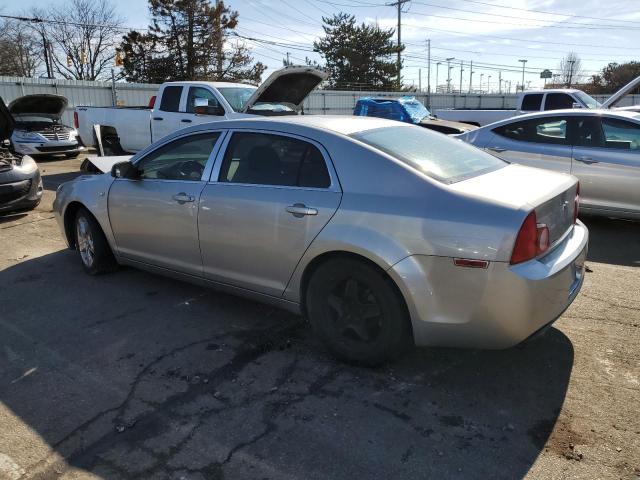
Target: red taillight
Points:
(576, 205)
(152, 101)
(532, 240)
(75, 120)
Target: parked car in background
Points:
(383, 233)
(600, 147)
(38, 131)
(181, 104)
(407, 109)
(527, 102)
(537, 101)
(20, 182)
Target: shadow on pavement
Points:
(613, 241)
(131, 375)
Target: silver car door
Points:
(166, 118)
(155, 218)
(606, 160)
(537, 142)
(271, 195)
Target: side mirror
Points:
(202, 107)
(125, 170)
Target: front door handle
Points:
(497, 149)
(183, 198)
(300, 210)
(158, 118)
(587, 160)
(186, 120)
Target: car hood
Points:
(289, 86)
(44, 105)
(620, 94)
(463, 127)
(7, 123)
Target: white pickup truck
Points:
(535, 101)
(120, 130)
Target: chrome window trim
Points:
(333, 176)
(206, 173)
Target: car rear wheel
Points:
(357, 312)
(71, 155)
(92, 245)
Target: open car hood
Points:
(6, 122)
(289, 86)
(43, 105)
(620, 94)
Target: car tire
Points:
(71, 155)
(92, 246)
(357, 312)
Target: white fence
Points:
(324, 102)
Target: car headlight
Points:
(28, 137)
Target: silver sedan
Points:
(384, 234)
(600, 147)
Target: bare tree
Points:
(570, 69)
(83, 35)
(19, 50)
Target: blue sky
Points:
(494, 34)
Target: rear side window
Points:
(171, 99)
(532, 102)
(551, 130)
(558, 101)
(620, 134)
(265, 159)
(440, 157)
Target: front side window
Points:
(532, 102)
(620, 134)
(538, 130)
(199, 92)
(266, 159)
(171, 99)
(182, 159)
(558, 101)
(440, 157)
(588, 100)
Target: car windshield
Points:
(588, 100)
(237, 96)
(442, 158)
(416, 110)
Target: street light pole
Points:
(449, 73)
(481, 76)
(489, 84)
(437, 69)
(461, 70)
(523, 64)
(471, 72)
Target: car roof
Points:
(211, 84)
(571, 112)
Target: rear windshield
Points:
(438, 156)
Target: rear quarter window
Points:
(439, 157)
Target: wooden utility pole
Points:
(429, 73)
(220, 40)
(399, 3)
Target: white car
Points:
(38, 131)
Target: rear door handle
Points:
(497, 149)
(300, 210)
(186, 120)
(587, 160)
(158, 118)
(182, 198)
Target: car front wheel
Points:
(92, 245)
(357, 312)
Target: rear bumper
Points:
(496, 307)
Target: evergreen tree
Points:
(185, 42)
(357, 56)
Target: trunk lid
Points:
(44, 105)
(7, 123)
(550, 194)
(288, 86)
